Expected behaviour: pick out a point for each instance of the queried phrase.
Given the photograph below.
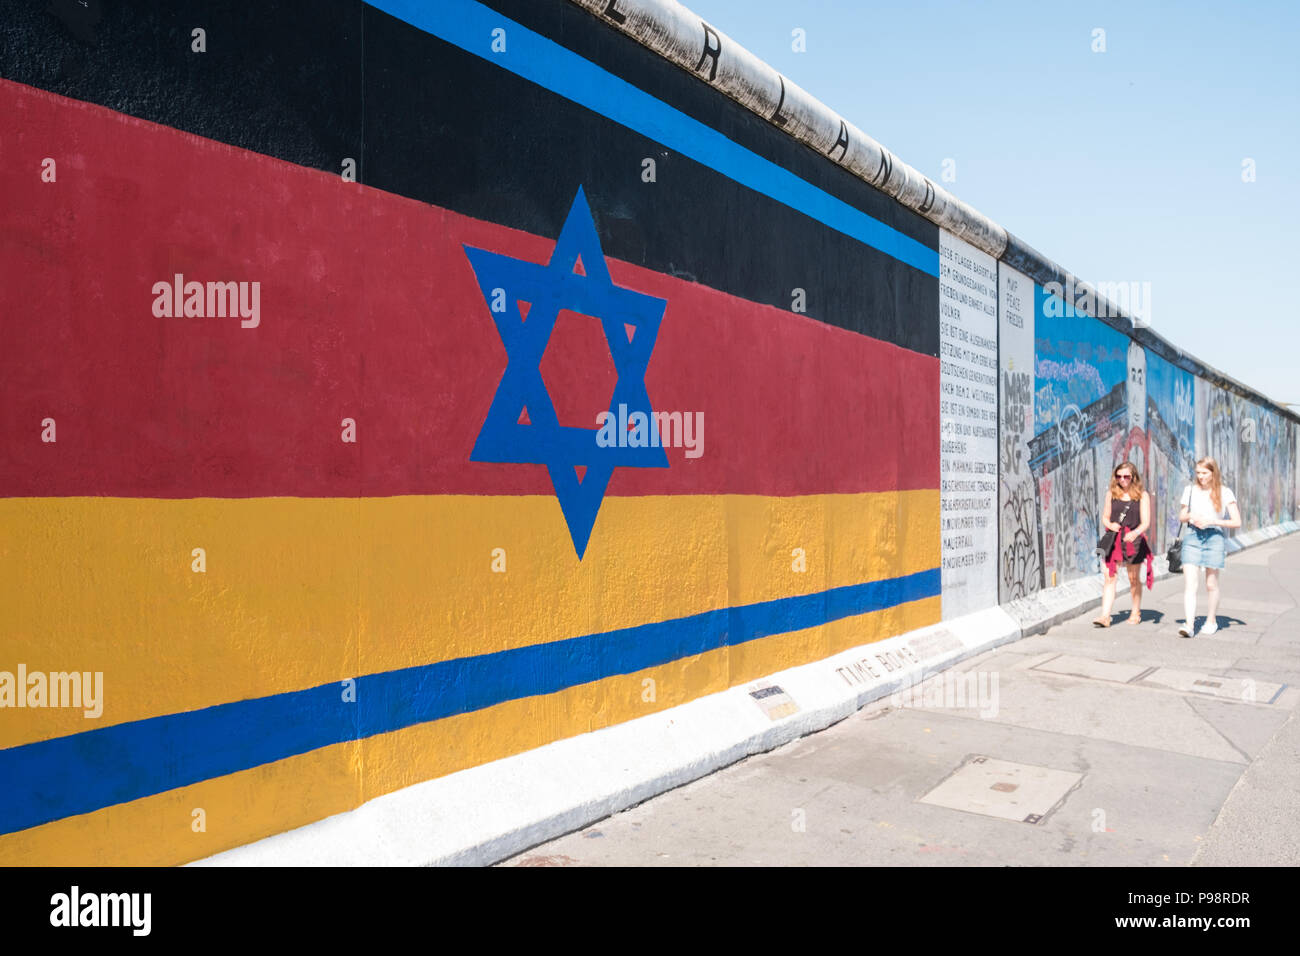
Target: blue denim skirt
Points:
(1204, 547)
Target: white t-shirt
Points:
(1199, 504)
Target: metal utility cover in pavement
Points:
(1226, 688)
(1090, 668)
(999, 788)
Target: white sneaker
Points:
(1210, 626)
(1185, 631)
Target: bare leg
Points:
(1107, 597)
(1189, 596)
(1212, 592)
(1135, 592)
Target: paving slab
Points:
(1008, 791)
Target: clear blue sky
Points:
(1121, 166)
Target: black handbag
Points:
(1106, 543)
(1176, 551)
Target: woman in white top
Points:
(1208, 507)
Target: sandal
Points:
(1135, 620)
(1101, 622)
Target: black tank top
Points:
(1131, 519)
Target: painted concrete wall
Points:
(551, 388)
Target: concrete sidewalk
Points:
(1080, 746)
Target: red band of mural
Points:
(337, 301)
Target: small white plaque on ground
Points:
(1228, 688)
(774, 701)
(1090, 668)
(935, 644)
(1008, 791)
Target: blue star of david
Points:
(505, 282)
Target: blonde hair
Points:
(1134, 489)
(1216, 481)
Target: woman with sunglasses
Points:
(1208, 507)
(1127, 513)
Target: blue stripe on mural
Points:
(52, 779)
(469, 25)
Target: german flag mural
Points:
(393, 388)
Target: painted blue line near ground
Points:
(470, 25)
(52, 779)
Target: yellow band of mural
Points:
(294, 593)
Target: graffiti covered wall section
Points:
(1171, 444)
(1084, 373)
(1098, 398)
(1256, 451)
(1020, 560)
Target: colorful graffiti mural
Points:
(1171, 430)
(1256, 451)
(1099, 398)
(1084, 373)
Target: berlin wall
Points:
(395, 387)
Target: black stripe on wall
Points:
(316, 82)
